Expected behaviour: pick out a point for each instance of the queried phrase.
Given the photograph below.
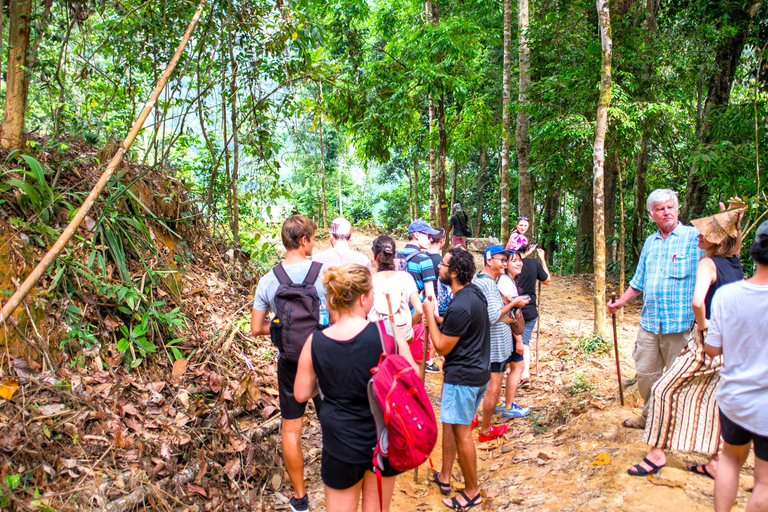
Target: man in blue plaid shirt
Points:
(665, 275)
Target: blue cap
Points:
(493, 250)
(419, 226)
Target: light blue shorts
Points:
(528, 332)
(460, 403)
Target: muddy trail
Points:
(571, 453)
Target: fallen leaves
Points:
(179, 367)
(602, 459)
(8, 388)
(665, 482)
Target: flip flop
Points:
(444, 488)
(700, 469)
(455, 505)
(634, 423)
(641, 471)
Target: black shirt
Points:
(343, 369)
(469, 363)
(728, 270)
(526, 285)
(459, 223)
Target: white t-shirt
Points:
(399, 286)
(507, 286)
(739, 323)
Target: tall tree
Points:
(433, 210)
(17, 82)
(322, 160)
(523, 141)
(481, 179)
(598, 171)
(505, 135)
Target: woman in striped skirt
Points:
(683, 413)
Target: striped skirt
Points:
(683, 413)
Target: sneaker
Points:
(431, 368)
(494, 433)
(300, 504)
(516, 412)
(525, 383)
(499, 408)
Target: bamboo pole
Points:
(70, 230)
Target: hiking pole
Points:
(425, 350)
(538, 327)
(616, 351)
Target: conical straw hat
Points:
(716, 228)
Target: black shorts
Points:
(290, 409)
(341, 475)
(514, 357)
(737, 435)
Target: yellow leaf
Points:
(294, 36)
(8, 388)
(601, 460)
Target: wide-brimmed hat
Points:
(717, 228)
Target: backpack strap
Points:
(412, 255)
(314, 271)
(281, 274)
(388, 341)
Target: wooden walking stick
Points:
(423, 379)
(538, 327)
(616, 351)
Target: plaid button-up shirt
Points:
(666, 274)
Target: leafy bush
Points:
(594, 344)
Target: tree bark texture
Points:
(442, 147)
(522, 140)
(598, 166)
(622, 238)
(718, 95)
(234, 221)
(505, 122)
(611, 165)
(433, 210)
(454, 179)
(583, 258)
(481, 189)
(416, 205)
(548, 228)
(322, 164)
(17, 83)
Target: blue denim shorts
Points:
(460, 403)
(528, 332)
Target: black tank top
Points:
(343, 369)
(728, 270)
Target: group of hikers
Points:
(695, 351)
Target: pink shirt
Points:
(332, 257)
(516, 240)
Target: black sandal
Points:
(455, 505)
(444, 488)
(700, 469)
(641, 471)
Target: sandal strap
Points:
(653, 466)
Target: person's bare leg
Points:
(758, 502)
(527, 361)
(727, 478)
(656, 455)
(449, 453)
(371, 492)
(294, 459)
(490, 400)
(465, 447)
(344, 500)
(513, 379)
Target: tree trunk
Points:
(548, 228)
(718, 95)
(433, 210)
(2, 34)
(622, 238)
(598, 171)
(322, 163)
(611, 165)
(454, 176)
(637, 238)
(442, 201)
(481, 189)
(225, 133)
(17, 83)
(234, 222)
(523, 142)
(505, 121)
(416, 185)
(583, 257)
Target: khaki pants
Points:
(653, 354)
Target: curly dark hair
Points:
(463, 264)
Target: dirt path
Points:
(544, 461)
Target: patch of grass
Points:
(594, 344)
(582, 384)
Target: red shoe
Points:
(494, 433)
(475, 422)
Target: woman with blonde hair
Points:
(338, 361)
(683, 414)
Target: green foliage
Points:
(582, 384)
(594, 344)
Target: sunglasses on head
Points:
(522, 218)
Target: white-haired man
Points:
(665, 275)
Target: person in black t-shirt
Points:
(465, 341)
(459, 223)
(339, 360)
(534, 269)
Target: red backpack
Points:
(406, 428)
